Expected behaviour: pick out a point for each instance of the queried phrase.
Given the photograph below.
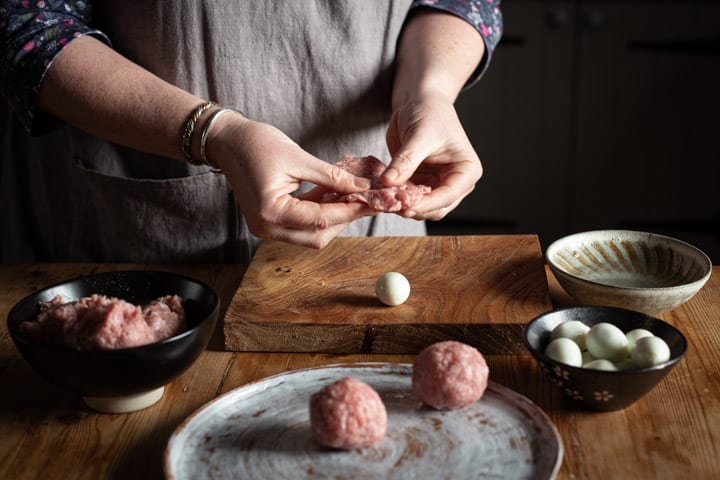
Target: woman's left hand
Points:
(430, 147)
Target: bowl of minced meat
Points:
(115, 338)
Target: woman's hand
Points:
(429, 146)
(265, 168)
(437, 53)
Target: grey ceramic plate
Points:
(262, 430)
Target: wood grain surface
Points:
(478, 289)
(671, 433)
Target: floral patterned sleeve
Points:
(484, 15)
(33, 32)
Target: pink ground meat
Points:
(98, 322)
(449, 375)
(165, 316)
(348, 414)
(380, 198)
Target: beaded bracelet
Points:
(206, 130)
(190, 128)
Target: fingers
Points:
(308, 215)
(406, 161)
(305, 238)
(265, 167)
(304, 222)
(452, 184)
(317, 195)
(331, 177)
(437, 204)
(411, 138)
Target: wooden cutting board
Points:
(480, 290)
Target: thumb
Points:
(405, 161)
(335, 179)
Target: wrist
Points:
(405, 96)
(202, 128)
(437, 54)
(192, 130)
(220, 127)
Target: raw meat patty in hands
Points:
(380, 197)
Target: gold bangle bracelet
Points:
(206, 131)
(189, 129)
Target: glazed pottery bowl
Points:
(639, 271)
(127, 379)
(601, 389)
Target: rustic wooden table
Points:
(46, 433)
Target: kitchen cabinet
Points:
(598, 115)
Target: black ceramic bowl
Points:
(598, 389)
(124, 379)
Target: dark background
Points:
(598, 115)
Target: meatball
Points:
(449, 375)
(347, 414)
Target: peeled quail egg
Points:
(601, 364)
(565, 351)
(575, 330)
(634, 335)
(605, 340)
(626, 364)
(650, 351)
(587, 357)
(392, 288)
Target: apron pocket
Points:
(188, 219)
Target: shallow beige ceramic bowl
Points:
(639, 271)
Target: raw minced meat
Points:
(348, 414)
(449, 375)
(380, 197)
(99, 322)
(165, 316)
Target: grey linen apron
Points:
(321, 71)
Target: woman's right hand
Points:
(265, 168)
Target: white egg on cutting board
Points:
(392, 288)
